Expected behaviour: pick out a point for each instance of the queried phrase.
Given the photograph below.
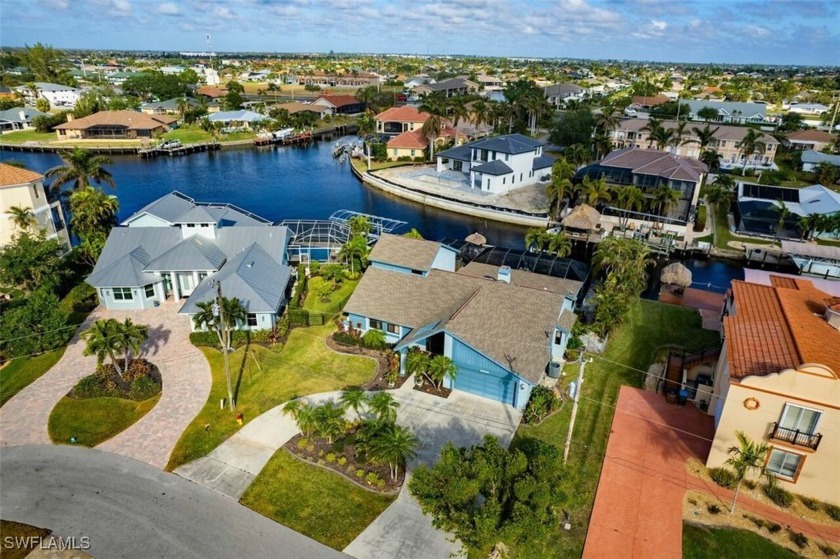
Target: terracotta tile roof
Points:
(812, 136)
(650, 101)
(779, 327)
(402, 114)
(130, 119)
(413, 139)
(14, 176)
(781, 281)
(417, 254)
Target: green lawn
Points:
(701, 542)
(189, 135)
(237, 136)
(267, 377)
(95, 420)
(312, 501)
(331, 306)
(27, 136)
(650, 326)
(20, 373)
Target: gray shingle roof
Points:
(495, 167)
(127, 252)
(252, 276)
(417, 254)
(193, 253)
(20, 114)
(510, 324)
(523, 278)
(509, 143)
(562, 90)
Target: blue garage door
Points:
(501, 388)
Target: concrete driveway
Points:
(402, 530)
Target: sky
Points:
(800, 32)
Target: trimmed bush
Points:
(314, 268)
(827, 550)
(541, 403)
(713, 509)
(143, 388)
(346, 339)
(781, 497)
(374, 339)
(812, 504)
(773, 528)
(800, 539)
(833, 511)
(723, 477)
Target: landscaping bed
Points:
(429, 388)
(341, 457)
(703, 542)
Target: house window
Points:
(800, 419)
(393, 328)
(558, 337)
(252, 319)
(504, 180)
(205, 225)
(123, 294)
(507, 157)
(784, 464)
(149, 290)
(190, 225)
(395, 151)
(375, 324)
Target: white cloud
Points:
(223, 13)
(757, 31)
(169, 9)
(57, 4)
(659, 25)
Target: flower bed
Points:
(139, 382)
(430, 388)
(341, 458)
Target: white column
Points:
(195, 279)
(176, 289)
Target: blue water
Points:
(277, 183)
(707, 274)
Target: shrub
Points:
(374, 339)
(345, 339)
(723, 477)
(750, 484)
(330, 457)
(320, 453)
(541, 403)
(310, 447)
(833, 511)
(781, 497)
(372, 478)
(342, 460)
(812, 504)
(380, 483)
(88, 387)
(692, 501)
(827, 550)
(800, 539)
(774, 527)
(302, 443)
(138, 368)
(759, 522)
(360, 473)
(143, 388)
(314, 268)
(713, 509)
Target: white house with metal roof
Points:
(500, 164)
(500, 327)
(729, 111)
(176, 247)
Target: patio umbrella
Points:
(477, 239)
(583, 217)
(676, 274)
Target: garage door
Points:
(501, 388)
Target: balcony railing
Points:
(795, 437)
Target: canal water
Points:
(307, 183)
(277, 183)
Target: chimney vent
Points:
(504, 274)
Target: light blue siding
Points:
(481, 376)
(138, 301)
(393, 268)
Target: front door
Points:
(185, 284)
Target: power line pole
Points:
(220, 314)
(582, 363)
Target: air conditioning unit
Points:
(554, 370)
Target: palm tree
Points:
(366, 123)
(130, 337)
(536, 239)
(653, 128)
(596, 190)
(354, 398)
(413, 233)
(304, 415)
(628, 198)
(747, 457)
(608, 120)
(383, 406)
(721, 196)
(809, 224)
(329, 420)
(359, 225)
(435, 105)
(22, 218)
(223, 321)
(712, 159)
(394, 445)
(561, 184)
(80, 169)
(751, 144)
(782, 212)
(577, 154)
(559, 244)
(602, 144)
(705, 136)
(101, 340)
(441, 367)
(662, 137)
(354, 251)
(665, 198)
(92, 211)
(416, 362)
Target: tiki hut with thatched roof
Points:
(477, 239)
(583, 218)
(676, 274)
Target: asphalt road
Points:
(130, 509)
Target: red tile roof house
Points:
(414, 144)
(116, 125)
(778, 380)
(397, 120)
(341, 104)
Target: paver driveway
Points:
(186, 386)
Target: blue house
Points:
(178, 248)
(501, 327)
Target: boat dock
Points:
(37, 147)
(285, 140)
(182, 149)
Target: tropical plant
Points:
(354, 398)
(355, 252)
(559, 244)
(628, 198)
(712, 159)
(81, 168)
(394, 444)
(748, 456)
(304, 415)
(596, 190)
(332, 273)
(561, 184)
(665, 198)
(374, 339)
(22, 218)
(782, 213)
(383, 407)
(92, 216)
(608, 119)
(705, 136)
(416, 362)
(440, 368)
(130, 337)
(413, 234)
(751, 144)
(223, 320)
(577, 154)
(654, 129)
(329, 420)
(101, 339)
(359, 225)
(32, 261)
(809, 224)
(536, 239)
